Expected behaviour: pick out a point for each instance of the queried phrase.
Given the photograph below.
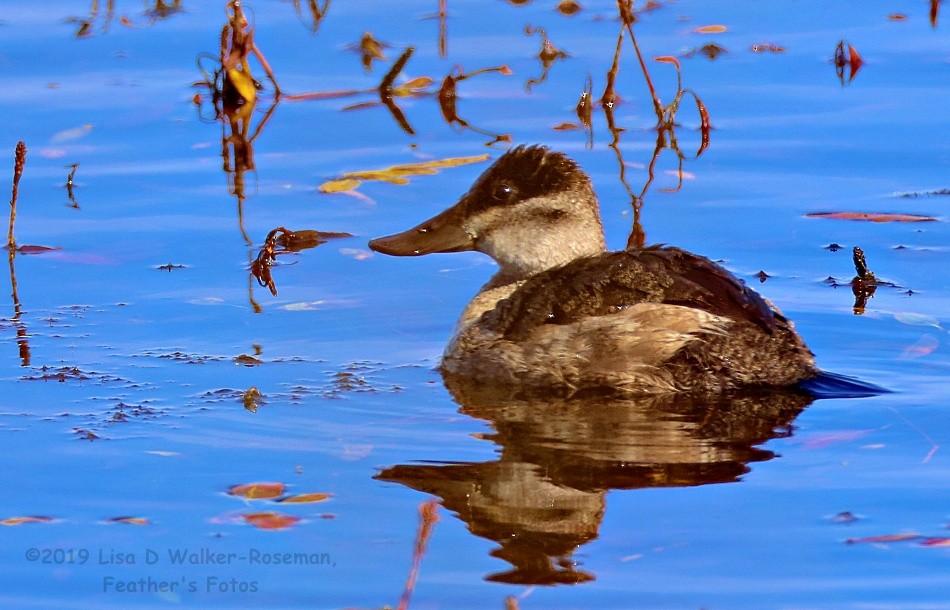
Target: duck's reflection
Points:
(546, 494)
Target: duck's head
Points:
(533, 209)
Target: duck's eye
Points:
(503, 192)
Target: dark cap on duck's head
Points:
(523, 173)
(533, 209)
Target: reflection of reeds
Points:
(428, 513)
(71, 184)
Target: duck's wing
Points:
(612, 282)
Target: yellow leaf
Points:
(450, 162)
(243, 84)
(396, 173)
(412, 86)
(339, 185)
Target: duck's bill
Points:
(442, 233)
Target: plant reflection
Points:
(548, 55)
(233, 92)
(665, 126)
(846, 56)
(546, 493)
(22, 335)
(70, 185)
(448, 95)
(370, 50)
(315, 13)
(86, 25)
(284, 241)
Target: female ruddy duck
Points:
(563, 315)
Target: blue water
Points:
(632, 495)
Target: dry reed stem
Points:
(17, 172)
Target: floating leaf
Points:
(667, 59)
(872, 216)
(936, 541)
(340, 185)
(883, 539)
(710, 29)
(271, 520)
(36, 249)
(129, 520)
(309, 498)
(257, 491)
(395, 174)
(22, 520)
(412, 87)
(568, 8)
(566, 127)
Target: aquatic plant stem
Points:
(17, 172)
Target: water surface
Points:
(126, 351)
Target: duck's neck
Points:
(533, 259)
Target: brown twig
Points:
(17, 172)
(428, 514)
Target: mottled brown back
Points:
(608, 283)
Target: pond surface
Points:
(129, 351)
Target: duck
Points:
(563, 315)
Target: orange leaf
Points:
(667, 59)
(257, 491)
(22, 520)
(854, 59)
(271, 520)
(710, 29)
(882, 539)
(566, 127)
(305, 498)
(872, 216)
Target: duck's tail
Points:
(833, 385)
